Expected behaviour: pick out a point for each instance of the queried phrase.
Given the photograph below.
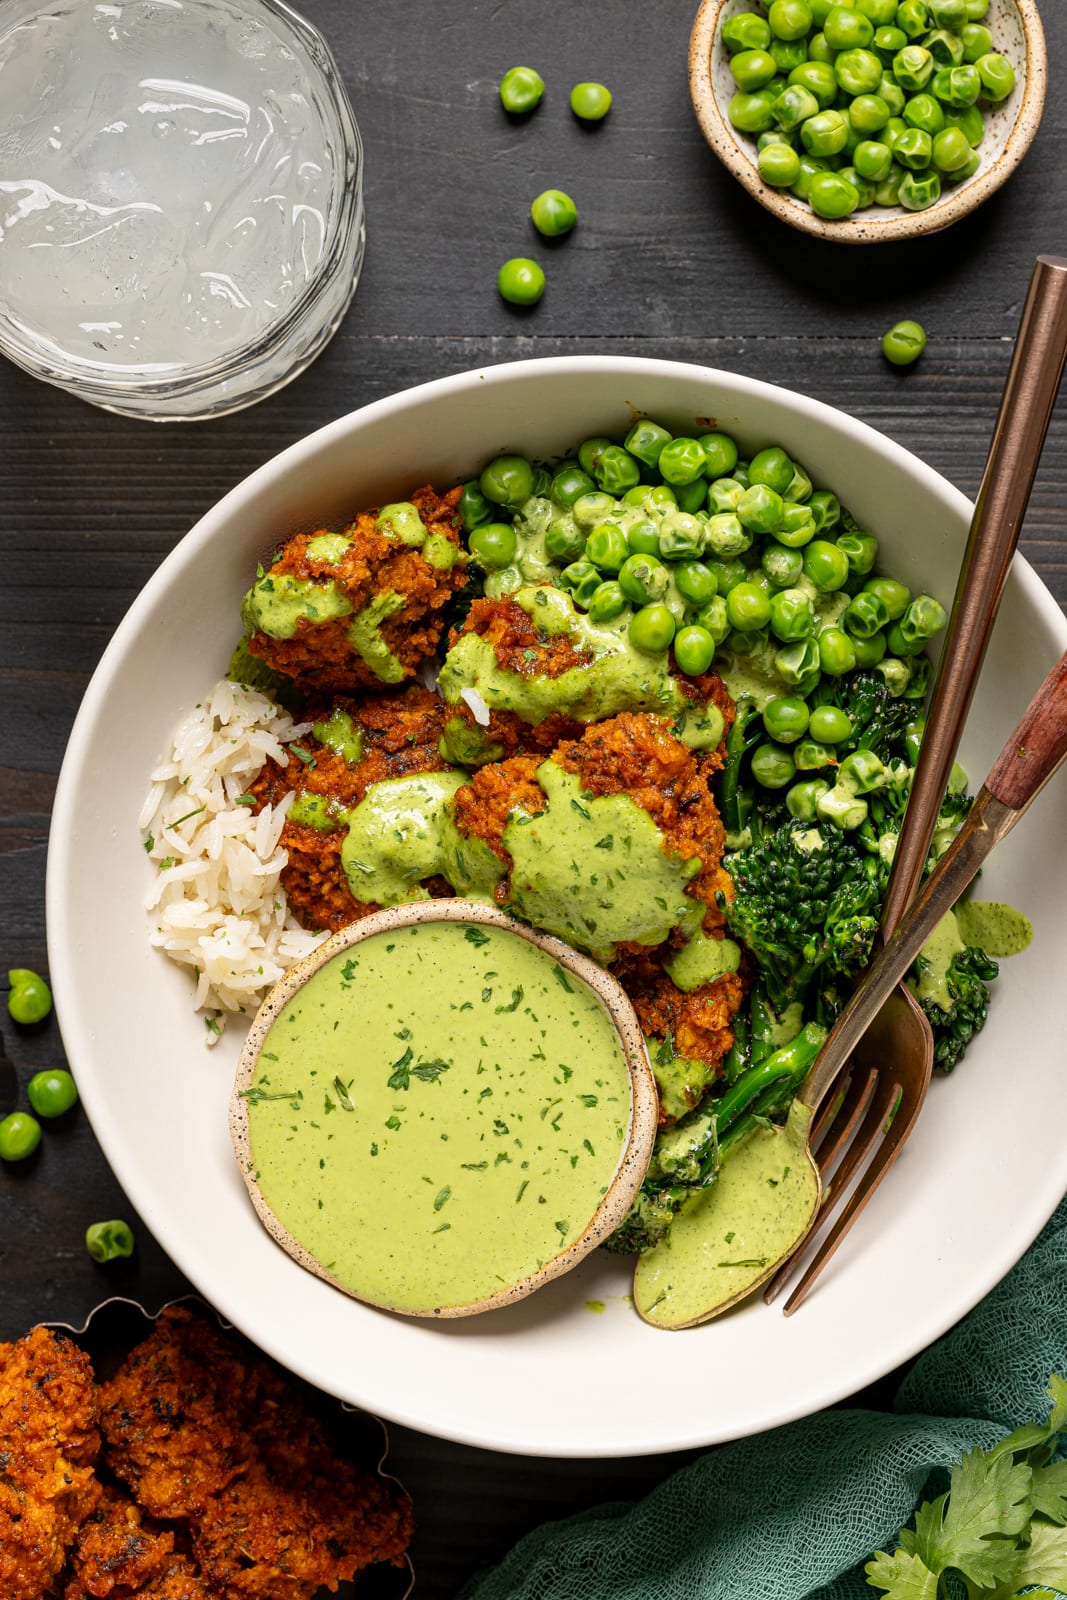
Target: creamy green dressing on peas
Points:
(617, 678)
(437, 1114)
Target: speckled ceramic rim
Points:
(867, 227)
(644, 1102)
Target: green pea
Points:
(521, 90)
(606, 547)
(825, 134)
(729, 572)
(825, 565)
(752, 69)
(29, 998)
(681, 536)
(778, 166)
(782, 565)
(811, 756)
(564, 541)
(890, 91)
(720, 454)
(694, 649)
(725, 535)
(951, 150)
(873, 161)
(946, 48)
(837, 653)
(760, 509)
(970, 122)
(859, 72)
(825, 510)
(913, 18)
(695, 582)
(724, 494)
(865, 616)
(819, 50)
(473, 507)
(864, 770)
(792, 615)
(520, 281)
(569, 484)
(20, 1134)
(878, 12)
(868, 113)
(109, 1241)
(977, 41)
(968, 171)
(860, 551)
(606, 602)
(590, 451)
(997, 76)
(771, 467)
(691, 496)
(958, 86)
(652, 628)
(895, 596)
(645, 440)
(752, 113)
(553, 213)
(922, 618)
(682, 461)
(833, 197)
(920, 190)
(869, 651)
(904, 343)
(746, 31)
(643, 538)
(789, 19)
(887, 193)
(643, 579)
(830, 725)
(616, 470)
(797, 526)
(788, 54)
(52, 1092)
(508, 481)
(773, 766)
(590, 102)
(913, 67)
(582, 580)
(818, 78)
(493, 545)
(786, 718)
(923, 111)
(847, 29)
(810, 168)
(802, 799)
(888, 41)
(864, 190)
(713, 619)
(976, 10)
(947, 13)
(589, 509)
(747, 607)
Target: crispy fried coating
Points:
(482, 807)
(700, 1021)
(400, 733)
(321, 657)
(48, 1446)
(516, 642)
(118, 1551)
(203, 1430)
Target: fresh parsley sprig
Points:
(1000, 1528)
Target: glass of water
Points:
(181, 213)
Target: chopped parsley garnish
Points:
(341, 1091)
(476, 936)
(516, 1001)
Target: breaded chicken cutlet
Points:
(48, 1448)
(361, 608)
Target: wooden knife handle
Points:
(1037, 747)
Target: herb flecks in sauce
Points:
(369, 1190)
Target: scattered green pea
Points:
(694, 650)
(652, 628)
(904, 343)
(590, 101)
(29, 998)
(20, 1134)
(51, 1092)
(553, 213)
(521, 281)
(109, 1241)
(521, 90)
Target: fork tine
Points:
(857, 1104)
(895, 1136)
(832, 1132)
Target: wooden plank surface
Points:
(670, 259)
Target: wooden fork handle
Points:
(1037, 746)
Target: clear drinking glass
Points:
(181, 213)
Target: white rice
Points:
(217, 904)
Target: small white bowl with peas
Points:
(864, 120)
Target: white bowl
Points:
(983, 1172)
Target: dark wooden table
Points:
(670, 259)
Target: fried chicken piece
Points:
(482, 807)
(48, 1447)
(205, 1431)
(118, 1551)
(377, 607)
(179, 1579)
(399, 734)
(699, 1020)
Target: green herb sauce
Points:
(436, 1114)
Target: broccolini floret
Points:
(969, 971)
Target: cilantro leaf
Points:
(1049, 1492)
(903, 1576)
(973, 1527)
(1043, 1560)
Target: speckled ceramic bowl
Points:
(1010, 127)
(635, 1148)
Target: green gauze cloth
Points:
(798, 1511)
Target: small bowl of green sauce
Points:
(440, 1109)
